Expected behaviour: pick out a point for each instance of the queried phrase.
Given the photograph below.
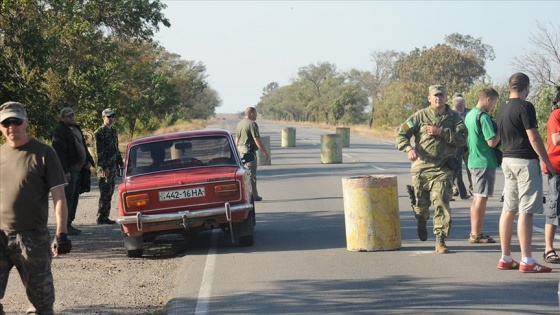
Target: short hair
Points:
(459, 100)
(488, 92)
(250, 110)
(518, 82)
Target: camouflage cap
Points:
(108, 112)
(66, 111)
(437, 89)
(12, 109)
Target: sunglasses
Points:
(111, 116)
(11, 121)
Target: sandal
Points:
(551, 257)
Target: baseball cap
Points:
(458, 95)
(436, 89)
(66, 111)
(12, 109)
(108, 112)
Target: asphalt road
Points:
(300, 265)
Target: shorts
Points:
(552, 206)
(523, 186)
(483, 181)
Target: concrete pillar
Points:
(331, 149)
(288, 137)
(260, 156)
(344, 133)
(371, 213)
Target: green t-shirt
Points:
(480, 153)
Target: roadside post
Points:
(344, 133)
(371, 213)
(331, 149)
(288, 137)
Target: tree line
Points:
(94, 54)
(396, 86)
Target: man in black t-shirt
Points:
(522, 147)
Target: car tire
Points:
(135, 253)
(243, 232)
(246, 240)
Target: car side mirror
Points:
(248, 157)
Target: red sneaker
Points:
(534, 268)
(503, 265)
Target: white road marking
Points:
(205, 291)
(347, 155)
(377, 167)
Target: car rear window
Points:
(181, 153)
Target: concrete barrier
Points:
(260, 156)
(288, 137)
(371, 213)
(331, 149)
(344, 133)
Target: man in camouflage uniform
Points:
(108, 160)
(438, 131)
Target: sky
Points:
(247, 44)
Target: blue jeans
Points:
(72, 191)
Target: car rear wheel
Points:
(134, 245)
(243, 232)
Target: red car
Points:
(184, 183)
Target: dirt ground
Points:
(97, 277)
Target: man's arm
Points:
(59, 145)
(493, 142)
(556, 138)
(261, 147)
(60, 209)
(538, 146)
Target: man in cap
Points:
(108, 160)
(71, 148)
(29, 170)
(438, 131)
(522, 147)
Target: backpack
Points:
(496, 149)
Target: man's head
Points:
(437, 96)
(108, 116)
(67, 116)
(13, 122)
(519, 85)
(251, 113)
(488, 99)
(459, 102)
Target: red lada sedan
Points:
(184, 183)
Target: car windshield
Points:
(180, 153)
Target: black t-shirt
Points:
(515, 116)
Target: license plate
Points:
(182, 194)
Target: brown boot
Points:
(441, 248)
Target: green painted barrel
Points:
(344, 133)
(261, 160)
(371, 213)
(288, 137)
(331, 149)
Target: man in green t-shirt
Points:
(482, 161)
(248, 140)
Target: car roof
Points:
(179, 135)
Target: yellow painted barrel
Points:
(94, 155)
(371, 213)
(288, 137)
(261, 160)
(331, 149)
(344, 133)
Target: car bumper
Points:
(139, 220)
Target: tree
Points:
(542, 61)
(470, 45)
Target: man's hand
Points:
(61, 244)
(68, 177)
(433, 130)
(412, 155)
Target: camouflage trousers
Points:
(106, 190)
(30, 252)
(436, 189)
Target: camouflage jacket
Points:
(433, 151)
(107, 148)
